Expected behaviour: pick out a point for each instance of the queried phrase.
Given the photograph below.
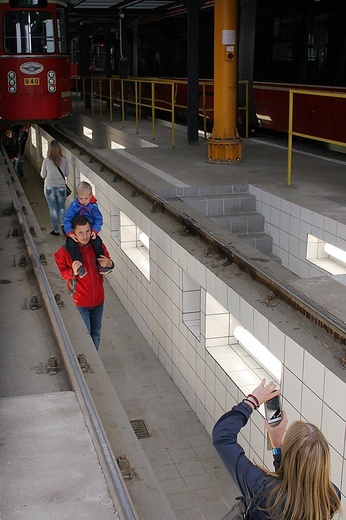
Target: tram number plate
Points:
(31, 81)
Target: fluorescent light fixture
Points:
(87, 132)
(262, 117)
(44, 146)
(335, 252)
(144, 239)
(33, 136)
(117, 146)
(259, 352)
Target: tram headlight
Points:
(51, 81)
(11, 82)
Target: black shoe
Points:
(54, 233)
(81, 271)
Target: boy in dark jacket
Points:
(11, 144)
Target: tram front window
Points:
(62, 30)
(29, 32)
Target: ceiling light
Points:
(259, 352)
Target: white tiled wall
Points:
(310, 391)
(289, 225)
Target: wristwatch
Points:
(277, 451)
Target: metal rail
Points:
(321, 317)
(291, 132)
(144, 92)
(114, 471)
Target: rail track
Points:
(117, 487)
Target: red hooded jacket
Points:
(89, 290)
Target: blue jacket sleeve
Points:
(97, 218)
(71, 213)
(245, 474)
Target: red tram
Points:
(320, 116)
(34, 61)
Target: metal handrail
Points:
(141, 93)
(291, 132)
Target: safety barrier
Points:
(150, 95)
(291, 132)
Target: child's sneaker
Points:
(81, 271)
(104, 270)
(72, 285)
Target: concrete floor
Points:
(179, 449)
(49, 467)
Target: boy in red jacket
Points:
(88, 291)
(84, 204)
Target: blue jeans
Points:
(92, 317)
(56, 198)
(18, 168)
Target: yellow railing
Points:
(152, 94)
(291, 133)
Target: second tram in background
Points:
(284, 45)
(34, 61)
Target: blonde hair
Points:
(84, 187)
(54, 152)
(303, 490)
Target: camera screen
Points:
(273, 410)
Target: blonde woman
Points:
(300, 488)
(54, 171)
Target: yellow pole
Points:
(225, 70)
(137, 107)
(173, 112)
(290, 126)
(77, 92)
(83, 89)
(110, 101)
(204, 113)
(100, 86)
(225, 145)
(122, 102)
(153, 109)
(92, 96)
(247, 109)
